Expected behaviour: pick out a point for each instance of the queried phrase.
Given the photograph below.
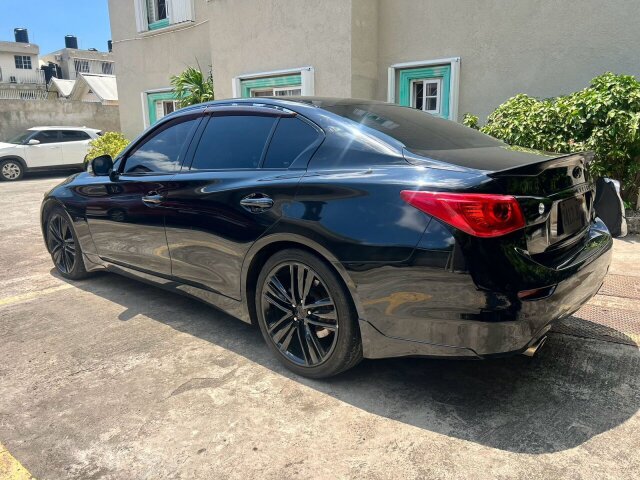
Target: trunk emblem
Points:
(541, 208)
(577, 172)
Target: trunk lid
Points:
(554, 191)
(556, 196)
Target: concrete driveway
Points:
(110, 378)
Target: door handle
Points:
(256, 203)
(152, 198)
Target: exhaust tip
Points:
(533, 349)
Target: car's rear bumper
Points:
(421, 311)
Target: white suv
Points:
(45, 148)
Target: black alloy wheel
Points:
(305, 315)
(63, 246)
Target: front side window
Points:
(292, 139)
(233, 142)
(47, 136)
(161, 151)
(73, 136)
(23, 62)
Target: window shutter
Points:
(142, 24)
(180, 11)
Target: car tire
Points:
(63, 245)
(11, 170)
(310, 324)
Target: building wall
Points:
(147, 61)
(69, 55)
(8, 64)
(540, 47)
(18, 115)
(364, 48)
(249, 36)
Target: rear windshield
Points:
(417, 130)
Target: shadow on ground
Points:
(575, 389)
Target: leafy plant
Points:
(110, 143)
(471, 121)
(192, 86)
(604, 117)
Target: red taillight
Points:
(478, 214)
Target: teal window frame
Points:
(408, 75)
(152, 98)
(281, 81)
(159, 24)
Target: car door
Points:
(125, 213)
(244, 170)
(47, 153)
(75, 144)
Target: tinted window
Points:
(233, 142)
(415, 129)
(292, 138)
(47, 136)
(161, 152)
(73, 136)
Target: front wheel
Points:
(63, 246)
(11, 170)
(305, 315)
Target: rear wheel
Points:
(63, 246)
(11, 170)
(305, 315)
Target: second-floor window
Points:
(156, 14)
(81, 66)
(107, 68)
(156, 10)
(23, 62)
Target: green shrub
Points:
(110, 143)
(471, 121)
(604, 117)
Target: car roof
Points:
(66, 127)
(284, 101)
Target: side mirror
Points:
(33, 141)
(101, 166)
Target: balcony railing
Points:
(22, 94)
(81, 65)
(17, 76)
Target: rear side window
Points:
(47, 136)
(233, 142)
(292, 138)
(73, 136)
(160, 152)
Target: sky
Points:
(48, 21)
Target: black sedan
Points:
(343, 228)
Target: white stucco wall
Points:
(540, 47)
(147, 61)
(250, 36)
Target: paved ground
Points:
(109, 378)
